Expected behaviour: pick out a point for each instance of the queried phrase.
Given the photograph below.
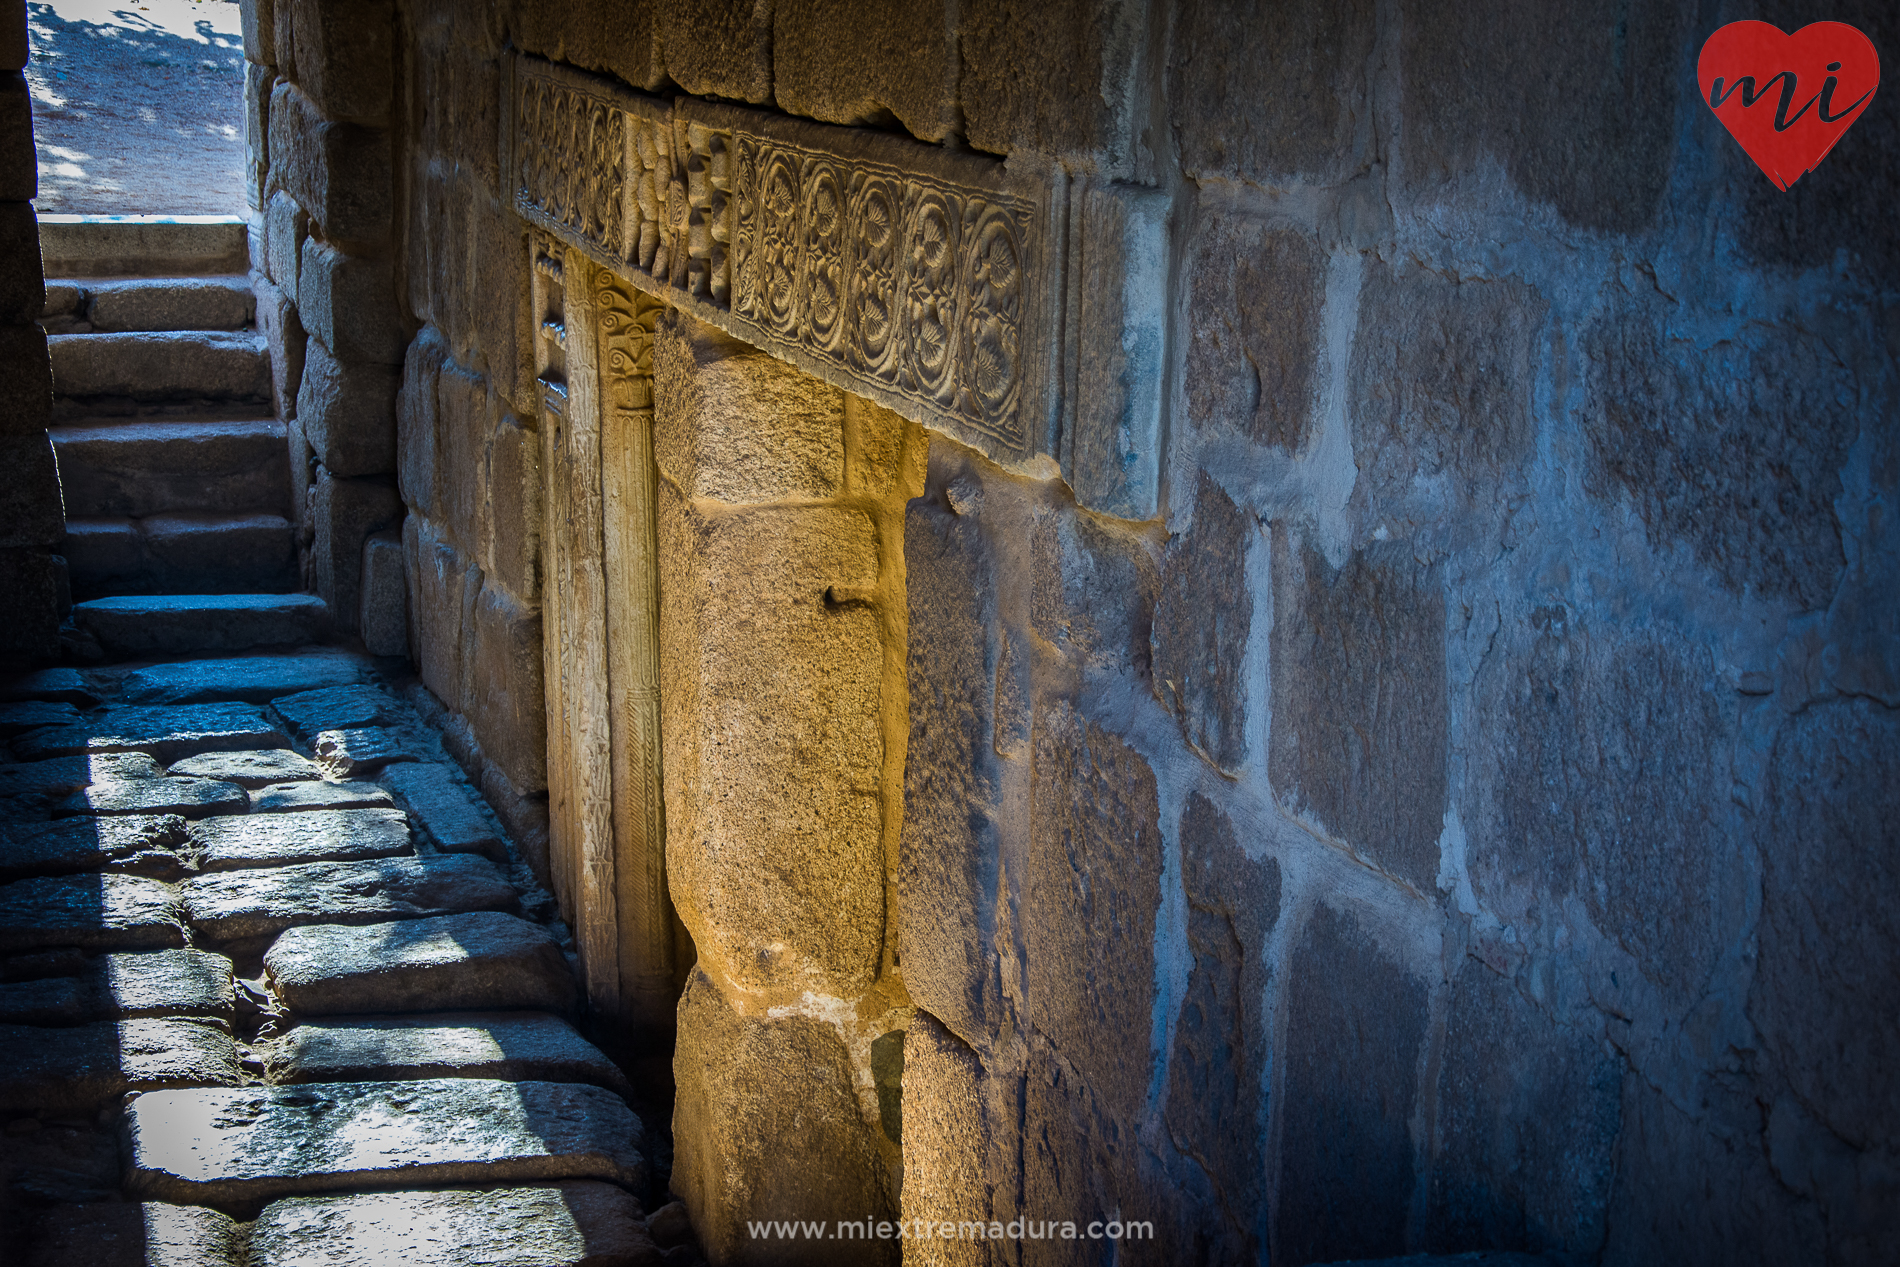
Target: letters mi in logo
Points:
(1788, 98)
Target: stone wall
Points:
(1458, 818)
(32, 520)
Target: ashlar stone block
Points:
(338, 172)
(349, 303)
(345, 55)
(348, 412)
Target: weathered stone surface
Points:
(146, 1234)
(1528, 1117)
(212, 554)
(56, 776)
(773, 772)
(170, 303)
(159, 983)
(134, 625)
(1359, 710)
(469, 961)
(1021, 80)
(578, 1223)
(383, 619)
(190, 798)
(248, 769)
(255, 678)
(1441, 408)
(1094, 585)
(25, 409)
(1695, 439)
(154, 846)
(753, 1145)
(316, 795)
(717, 48)
(95, 912)
(1255, 296)
(269, 840)
(337, 708)
(362, 752)
(103, 554)
(947, 1135)
(348, 412)
(418, 420)
(82, 1068)
(162, 365)
(258, 1143)
(264, 902)
(464, 419)
(445, 808)
(844, 63)
(31, 715)
(1355, 1022)
(339, 172)
(346, 513)
(512, 1047)
(443, 584)
(504, 701)
(61, 685)
(30, 508)
(167, 734)
(1091, 892)
(739, 425)
(512, 552)
(345, 56)
(1254, 99)
(283, 332)
(1201, 627)
(286, 227)
(1552, 127)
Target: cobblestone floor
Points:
(275, 988)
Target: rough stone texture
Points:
(282, 328)
(717, 48)
(348, 412)
(1255, 297)
(1253, 99)
(287, 226)
(58, 775)
(1355, 1023)
(269, 840)
(344, 56)
(248, 769)
(154, 846)
(741, 426)
(210, 554)
(264, 902)
(362, 752)
(30, 508)
(1359, 735)
(347, 512)
(514, 1048)
(578, 1223)
(339, 172)
(298, 797)
(146, 624)
(259, 1143)
(442, 584)
(1201, 626)
(384, 619)
(789, 1145)
(845, 63)
(170, 303)
(445, 809)
(159, 983)
(337, 708)
(1089, 904)
(470, 961)
(504, 700)
(83, 1068)
(191, 798)
(67, 686)
(145, 1234)
(946, 1135)
(512, 553)
(167, 734)
(773, 770)
(256, 678)
(1046, 80)
(94, 912)
(19, 718)
(160, 365)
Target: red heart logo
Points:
(1787, 98)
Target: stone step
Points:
(271, 840)
(257, 678)
(17, 719)
(263, 902)
(92, 912)
(157, 845)
(579, 1223)
(337, 708)
(173, 466)
(125, 1234)
(61, 775)
(166, 734)
(117, 305)
(188, 798)
(258, 768)
(478, 961)
(181, 554)
(82, 1068)
(160, 983)
(162, 365)
(528, 1047)
(280, 798)
(236, 1146)
(142, 246)
(64, 686)
(446, 809)
(158, 624)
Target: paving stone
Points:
(253, 1144)
(263, 903)
(513, 1047)
(171, 983)
(16, 719)
(136, 844)
(60, 775)
(167, 734)
(571, 1224)
(478, 960)
(82, 1068)
(61, 685)
(270, 840)
(253, 678)
(148, 1234)
(95, 912)
(287, 797)
(337, 708)
(361, 751)
(136, 625)
(445, 809)
(249, 769)
(61, 961)
(192, 798)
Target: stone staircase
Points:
(173, 460)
